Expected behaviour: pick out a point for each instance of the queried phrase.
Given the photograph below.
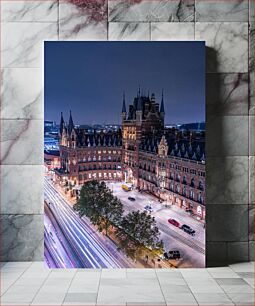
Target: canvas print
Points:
(124, 154)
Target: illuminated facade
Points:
(168, 163)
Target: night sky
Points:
(89, 78)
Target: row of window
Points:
(191, 194)
(99, 175)
(99, 158)
(172, 166)
(99, 167)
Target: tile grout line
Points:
(69, 287)
(160, 286)
(15, 280)
(40, 286)
(98, 287)
(189, 287)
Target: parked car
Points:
(165, 256)
(188, 210)
(174, 255)
(187, 229)
(131, 199)
(148, 208)
(174, 222)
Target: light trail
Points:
(93, 250)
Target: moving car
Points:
(174, 255)
(187, 229)
(174, 222)
(131, 199)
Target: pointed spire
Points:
(162, 107)
(70, 124)
(139, 104)
(139, 91)
(124, 104)
(62, 124)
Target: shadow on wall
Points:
(226, 221)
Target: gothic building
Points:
(167, 163)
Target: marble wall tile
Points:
(23, 10)
(232, 223)
(21, 237)
(152, 10)
(237, 251)
(251, 135)
(227, 135)
(251, 222)
(22, 93)
(251, 250)
(172, 31)
(251, 69)
(226, 94)
(22, 142)
(216, 252)
(22, 43)
(251, 180)
(21, 189)
(234, 10)
(227, 45)
(128, 31)
(226, 180)
(251, 10)
(83, 20)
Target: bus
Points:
(126, 187)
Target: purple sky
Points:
(89, 78)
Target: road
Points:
(81, 244)
(191, 248)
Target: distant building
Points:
(166, 162)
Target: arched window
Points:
(184, 191)
(191, 194)
(184, 181)
(192, 182)
(201, 186)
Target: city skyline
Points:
(74, 77)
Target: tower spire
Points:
(62, 123)
(70, 124)
(124, 103)
(162, 107)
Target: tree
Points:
(137, 232)
(99, 205)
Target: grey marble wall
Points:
(228, 29)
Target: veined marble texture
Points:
(22, 237)
(227, 136)
(22, 43)
(226, 94)
(228, 43)
(224, 27)
(23, 10)
(251, 68)
(83, 20)
(251, 135)
(172, 31)
(232, 228)
(21, 142)
(22, 93)
(233, 10)
(251, 180)
(128, 31)
(223, 178)
(151, 10)
(16, 179)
